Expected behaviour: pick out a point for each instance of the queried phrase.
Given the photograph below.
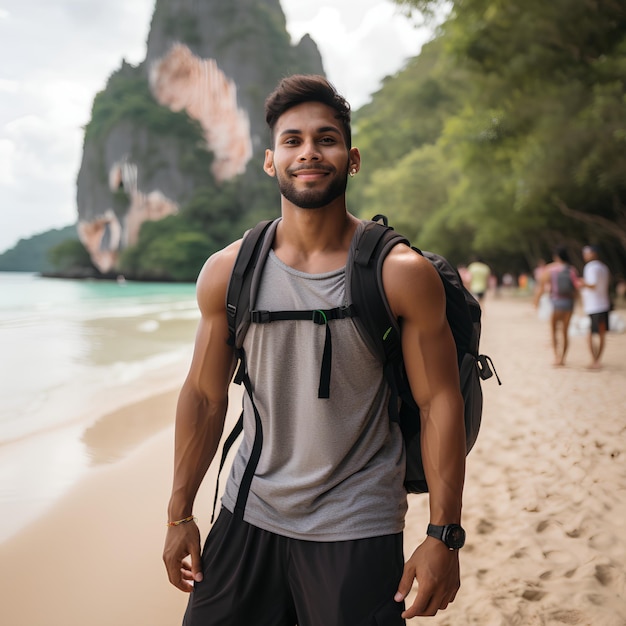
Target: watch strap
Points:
(452, 535)
(435, 531)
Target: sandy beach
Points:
(545, 502)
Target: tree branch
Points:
(615, 230)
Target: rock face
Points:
(182, 81)
(189, 116)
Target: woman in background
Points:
(561, 280)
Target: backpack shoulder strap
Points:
(239, 285)
(374, 318)
(254, 248)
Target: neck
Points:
(315, 240)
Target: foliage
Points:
(127, 96)
(526, 150)
(68, 255)
(157, 254)
(175, 248)
(408, 112)
(178, 256)
(32, 254)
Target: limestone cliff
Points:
(189, 117)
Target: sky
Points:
(57, 54)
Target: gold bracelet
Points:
(178, 522)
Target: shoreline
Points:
(60, 455)
(78, 354)
(544, 502)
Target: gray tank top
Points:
(330, 469)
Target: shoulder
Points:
(214, 276)
(411, 283)
(404, 261)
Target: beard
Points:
(314, 197)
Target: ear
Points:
(268, 164)
(354, 160)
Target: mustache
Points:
(317, 168)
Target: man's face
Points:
(310, 158)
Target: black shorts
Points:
(253, 577)
(597, 319)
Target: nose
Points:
(309, 152)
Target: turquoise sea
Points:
(71, 351)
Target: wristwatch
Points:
(452, 535)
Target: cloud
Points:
(361, 41)
(7, 158)
(8, 86)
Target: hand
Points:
(181, 555)
(436, 570)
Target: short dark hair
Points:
(301, 88)
(561, 252)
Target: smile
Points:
(307, 174)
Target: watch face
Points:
(455, 537)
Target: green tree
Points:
(408, 112)
(69, 254)
(538, 145)
(178, 257)
(32, 254)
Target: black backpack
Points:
(369, 310)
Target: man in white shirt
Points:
(596, 301)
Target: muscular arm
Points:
(429, 355)
(200, 415)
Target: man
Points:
(320, 543)
(596, 302)
(479, 273)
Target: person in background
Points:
(319, 540)
(596, 302)
(479, 273)
(560, 280)
(522, 282)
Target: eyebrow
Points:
(323, 129)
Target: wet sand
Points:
(545, 502)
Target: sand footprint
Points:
(533, 593)
(604, 574)
(485, 527)
(565, 616)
